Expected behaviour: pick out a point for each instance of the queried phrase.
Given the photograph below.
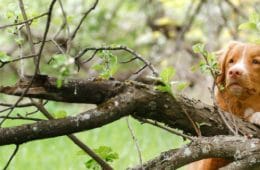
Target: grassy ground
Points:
(61, 154)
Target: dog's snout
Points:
(235, 72)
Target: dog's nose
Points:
(235, 72)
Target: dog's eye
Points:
(231, 61)
(255, 61)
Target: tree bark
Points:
(121, 99)
(116, 99)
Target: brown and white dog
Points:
(240, 78)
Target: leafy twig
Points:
(23, 22)
(124, 48)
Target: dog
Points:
(238, 90)
(240, 79)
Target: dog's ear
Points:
(222, 57)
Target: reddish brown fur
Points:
(250, 82)
(236, 98)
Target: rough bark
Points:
(93, 91)
(116, 99)
(229, 147)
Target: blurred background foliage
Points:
(162, 31)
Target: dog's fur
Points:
(238, 89)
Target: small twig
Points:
(19, 117)
(65, 23)
(140, 70)
(236, 9)
(124, 48)
(73, 35)
(128, 61)
(37, 67)
(15, 60)
(197, 129)
(135, 141)
(31, 113)
(28, 29)
(164, 128)
(84, 147)
(186, 26)
(21, 105)
(225, 19)
(21, 71)
(11, 157)
(92, 56)
(23, 22)
(58, 46)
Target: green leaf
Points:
(98, 67)
(182, 85)
(254, 17)
(104, 152)
(109, 65)
(59, 82)
(58, 60)
(248, 26)
(166, 74)
(198, 48)
(64, 71)
(19, 40)
(4, 57)
(92, 165)
(70, 19)
(60, 114)
(166, 88)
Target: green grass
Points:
(61, 154)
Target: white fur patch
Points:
(255, 118)
(241, 64)
(248, 112)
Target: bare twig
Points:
(82, 19)
(23, 22)
(232, 32)
(19, 117)
(65, 23)
(197, 129)
(135, 141)
(3, 63)
(48, 22)
(84, 147)
(164, 127)
(21, 71)
(28, 29)
(21, 105)
(186, 26)
(11, 157)
(236, 9)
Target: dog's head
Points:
(240, 69)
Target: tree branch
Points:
(118, 99)
(229, 147)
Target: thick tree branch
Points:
(124, 98)
(94, 91)
(229, 147)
